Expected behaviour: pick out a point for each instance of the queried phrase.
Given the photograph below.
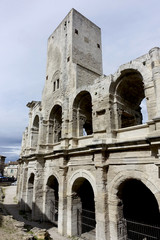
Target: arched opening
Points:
(30, 192)
(52, 198)
(55, 124)
(35, 131)
(129, 96)
(83, 209)
(139, 207)
(82, 114)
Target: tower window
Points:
(57, 83)
(54, 86)
(76, 31)
(98, 45)
(68, 59)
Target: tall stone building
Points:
(88, 162)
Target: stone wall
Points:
(86, 143)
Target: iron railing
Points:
(132, 230)
(86, 222)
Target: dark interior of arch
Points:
(30, 192)
(139, 203)
(130, 92)
(52, 198)
(84, 190)
(31, 179)
(56, 118)
(53, 183)
(36, 122)
(83, 103)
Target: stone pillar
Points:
(112, 219)
(101, 207)
(62, 206)
(76, 216)
(40, 134)
(19, 180)
(73, 126)
(29, 134)
(23, 196)
(47, 135)
(74, 206)
(69, 215)
(82, 119)
(37, 206)
(155, 64)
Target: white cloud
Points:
(12, 150)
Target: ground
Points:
(15, 225)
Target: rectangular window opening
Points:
(54, 86)
(57, 83)
(101, 112)
(98, 45)
(76, 31)
(68, 59)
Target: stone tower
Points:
(74, 55)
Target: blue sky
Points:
(130, 28)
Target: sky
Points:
(130, 28)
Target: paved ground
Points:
(10, 205)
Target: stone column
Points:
(37, 206)
(29, 134)
(47, 135)
(73, 126)
(101, 207)
(74, 206)
(62, 206)
(40, 134)
(155, 64)
(23, 194)
(69, 215)
(19, 180)
(112, 219)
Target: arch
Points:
(82, 114)
(139, 207)
(135, 65)
(55, 124)
(37, 117)
(124, 175)
(36, 122)
(52, 200)
(78, 174)
(128, 91)
(116, 204)
(81, 205)
(129, 191)
(35, 131)
(30, 192)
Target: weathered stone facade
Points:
(87, 161)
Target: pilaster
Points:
(37, 206)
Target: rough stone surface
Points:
(86, 143)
